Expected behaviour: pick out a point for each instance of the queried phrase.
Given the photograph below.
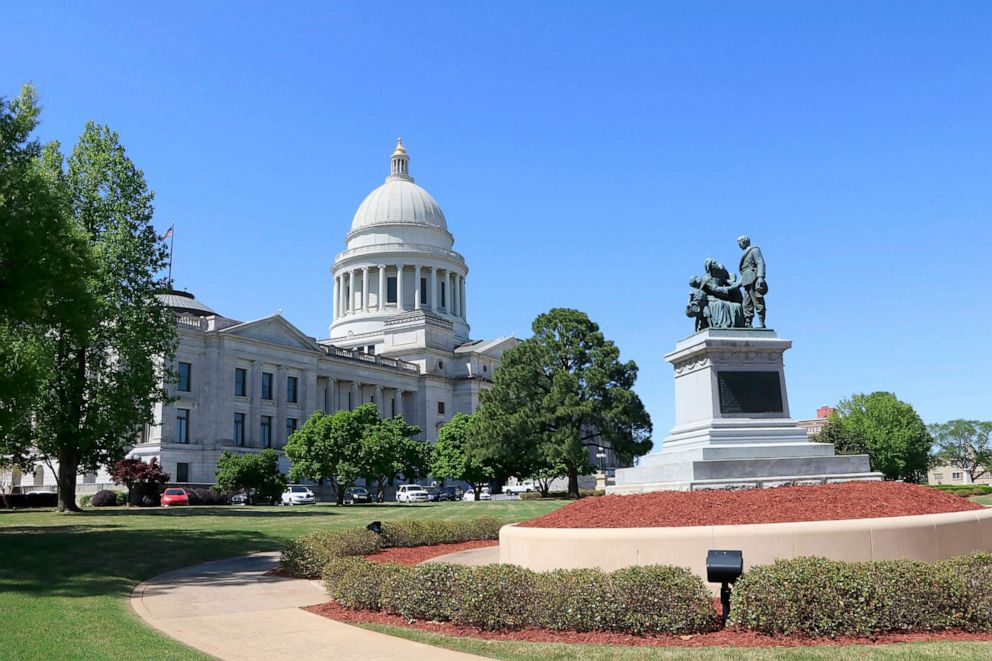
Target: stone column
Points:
(254, 420)
(382, 288)
(416, 287)
(399, 287)
(461, 299)
(336, 297)
(434, 305)
(398, 401)
(455, 295)
(346, 294)
(279, 423)
(365, 289)
(356, 395)
(378, 400)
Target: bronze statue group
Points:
(721, 300)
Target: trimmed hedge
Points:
(965, 490)
(820, 597)
(637, 600)
(25, 500)
(583, 493)
(306, 556)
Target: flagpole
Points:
(172, 243)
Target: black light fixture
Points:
(375, 526)
(724, 567)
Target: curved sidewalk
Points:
(231, 609)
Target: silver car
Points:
(298, 496)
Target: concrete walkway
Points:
(230, 609)
(487, 555)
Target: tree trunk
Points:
(339, 495)
(573, 481)
(66, 479)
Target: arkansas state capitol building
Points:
(399, 338)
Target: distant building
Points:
(815, 425)
(948, 474)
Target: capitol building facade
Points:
(399, 338)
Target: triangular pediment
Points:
(274, 330)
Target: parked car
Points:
(354, 495)
(297, 495)
(484, 494)
(518, 489)
(240, 499)
(173, 497)
(449, 494)
(412, 493)
(433, 493)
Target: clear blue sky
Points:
(586, 155)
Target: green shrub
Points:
(820, 597)
(86, 501)
(964, 490)
(406, 533)
(335, 568)
(426, 592)
(662, 599)
(306, 556)
(359, 585)
(974, 573)
(576, 599)
(496, 597)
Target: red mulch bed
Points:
(829, 502)
(414, 555)
(730, 637)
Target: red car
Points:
(173, 497)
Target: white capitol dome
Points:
(399, 200)
(398, 258)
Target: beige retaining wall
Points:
(926, 537)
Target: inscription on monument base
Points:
(749, 392)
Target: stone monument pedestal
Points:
(732, 423)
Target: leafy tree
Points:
(257, 474)
(328, 447)
(888, 430)
(389, 450)
(966, 444)
(546, 473)
(141, 478)
(107, 351)
(42, 256)
(453, 457)
(555, 392)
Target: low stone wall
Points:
(927, 537)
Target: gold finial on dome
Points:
(399, 163)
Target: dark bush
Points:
(202, 496)
(408, 533)
(26, 500)
(425, 592)
(820, 597)
(106, 498)
(496, 597)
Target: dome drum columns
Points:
(446, 291)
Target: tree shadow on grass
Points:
(226, 512)
(86, 561)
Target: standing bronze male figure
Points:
(753, 285)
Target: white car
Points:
(518, 489)
(412, 493)
(298, 496)
(484, 494)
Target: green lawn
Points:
(65, 579)
(520, 651)
(983, 500)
